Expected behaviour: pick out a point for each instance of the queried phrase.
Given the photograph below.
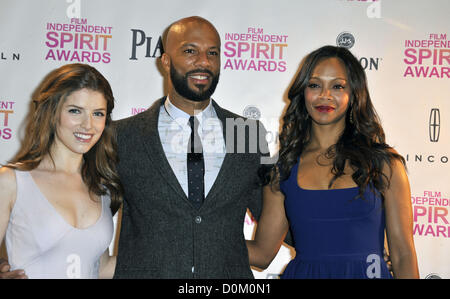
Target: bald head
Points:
(187, 24)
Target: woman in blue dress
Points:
(337, 185)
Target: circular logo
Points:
(345, 39)
(252, 112)
(432, 276)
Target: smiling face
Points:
(81, 121)
(192, 59)
(327, 95)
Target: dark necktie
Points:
(195, 166)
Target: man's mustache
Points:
(199, 71)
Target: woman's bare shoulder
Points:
(8, 183)
(7, 175)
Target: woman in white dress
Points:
(60, 191)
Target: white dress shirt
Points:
(175, 132)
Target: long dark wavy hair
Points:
(362, 143)
(99, 163)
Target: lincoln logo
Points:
(434, 125)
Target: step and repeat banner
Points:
(403, 45)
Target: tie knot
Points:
(193, 122)
(195, 144)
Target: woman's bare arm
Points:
(270, 231)
(399, 223)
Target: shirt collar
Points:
(182, 117)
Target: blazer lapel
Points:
(153, 145)
(229, 162)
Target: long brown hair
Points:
(99, 166)
(362, 143)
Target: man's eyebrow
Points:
(196, 46)
(189, 45)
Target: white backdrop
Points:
(404, 46)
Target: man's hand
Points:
(388, 261)
(5, 272)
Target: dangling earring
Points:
(351, 115)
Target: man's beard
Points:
(181, 85)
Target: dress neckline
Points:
(295, 178)
(52, 207)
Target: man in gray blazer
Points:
(167, 231)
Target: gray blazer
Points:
(162, 234)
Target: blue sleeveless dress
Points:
(335, 234)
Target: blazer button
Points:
(198, 219)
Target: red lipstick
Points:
(324, 108)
